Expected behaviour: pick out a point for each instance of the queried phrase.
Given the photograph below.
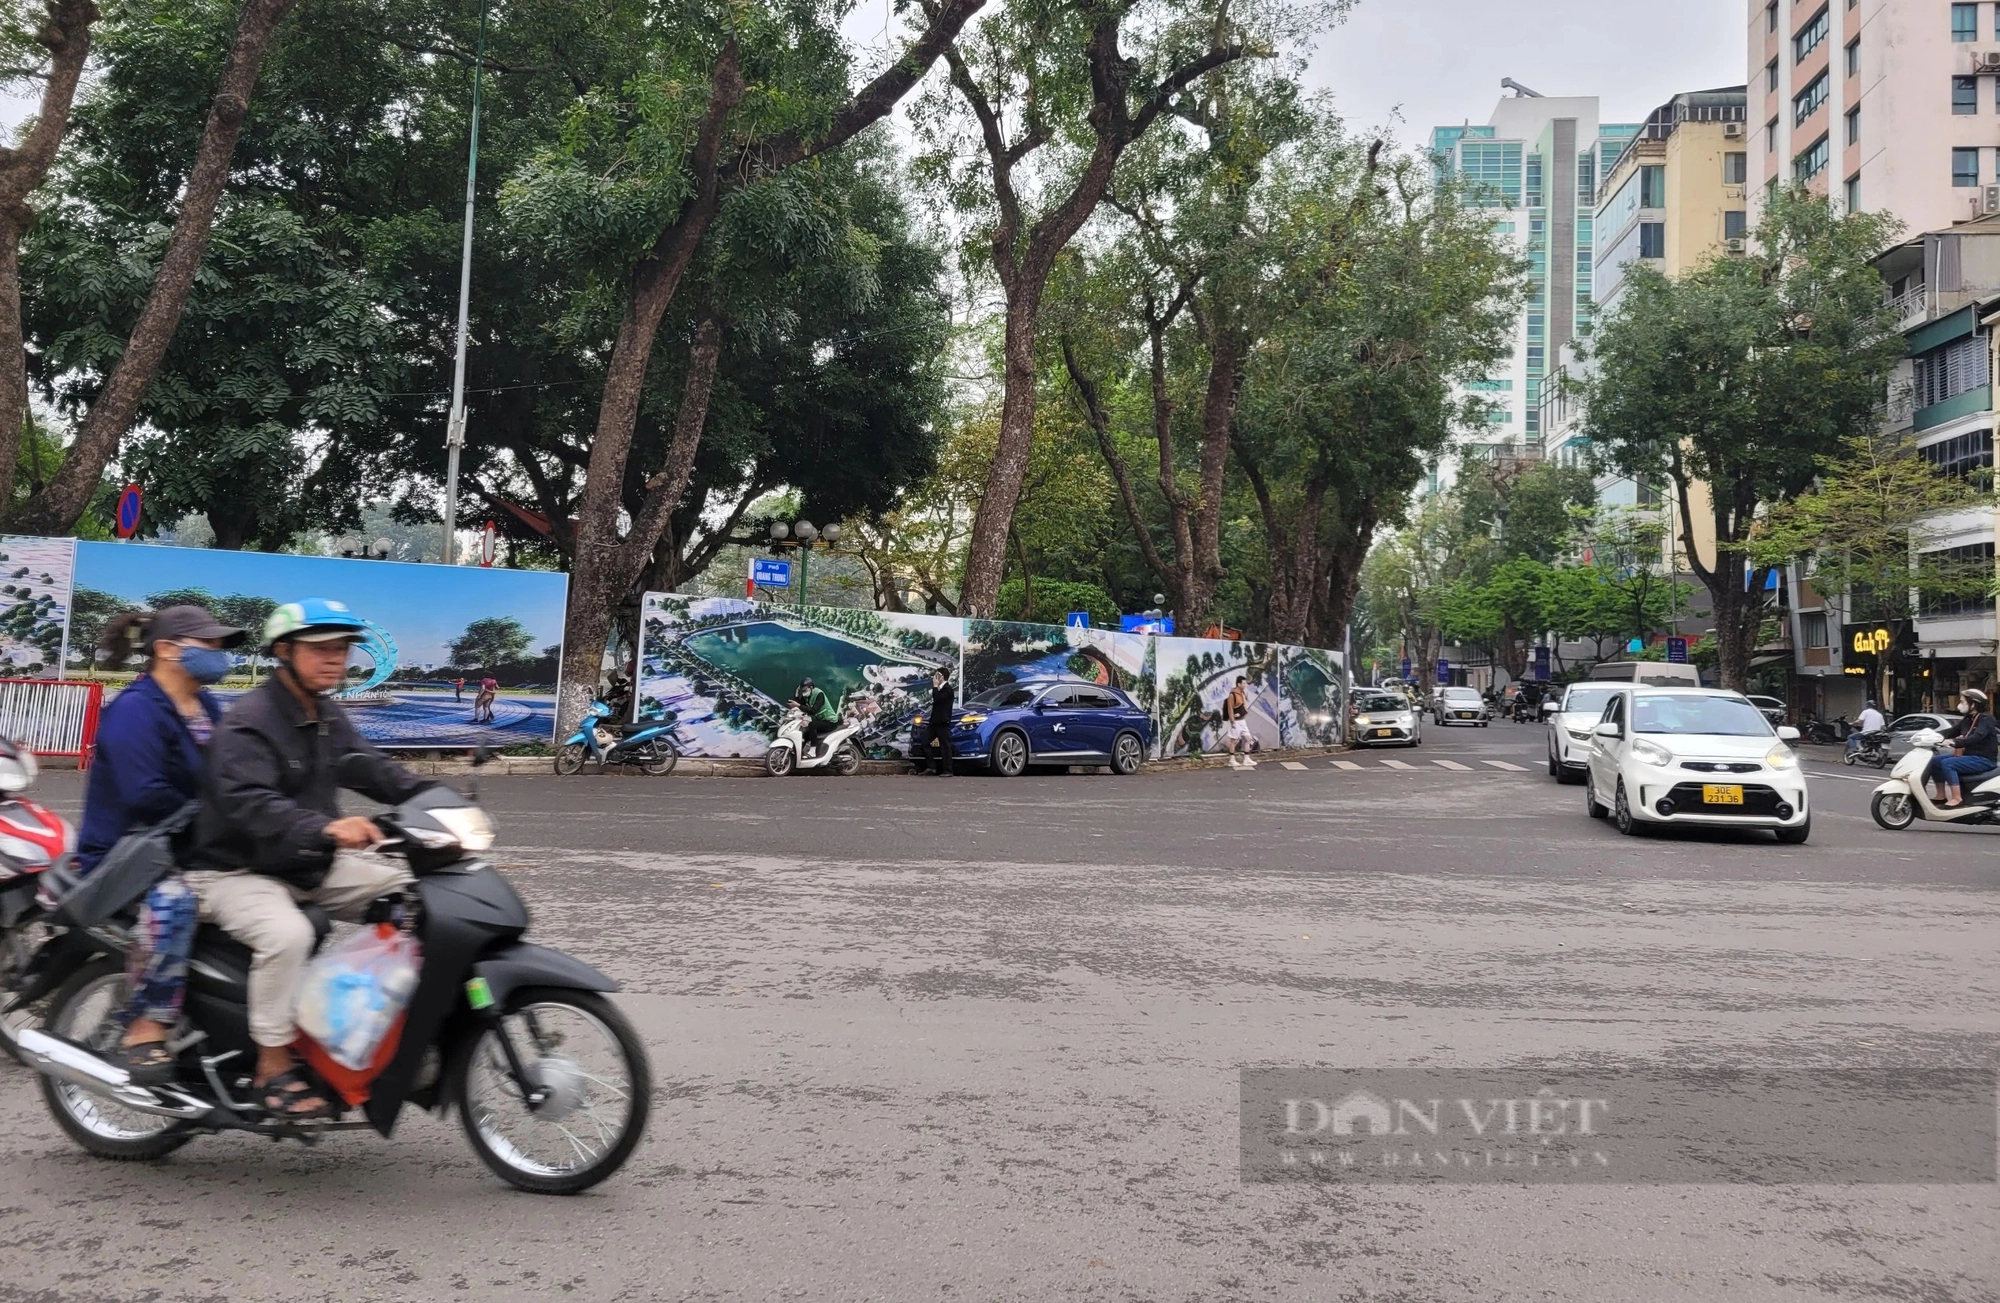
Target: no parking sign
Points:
(126, 523)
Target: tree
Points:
(1742, 375)
(1054, 103)
(490, 642)
(57, 506)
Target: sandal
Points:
(148, 1063)
(290, 1096)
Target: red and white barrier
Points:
(52, 717)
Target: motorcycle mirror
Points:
(352, 769)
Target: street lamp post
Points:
(454, 438)
(803, 535)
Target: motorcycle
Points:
(550, 1082)
(1873, 752)
(647, 744)
(1905, 797)
(790, 754)
(1822, 733)
(33, 840)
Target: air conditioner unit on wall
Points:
(1986, 60)
(1989, 200)
(1732, 131)
(1737, 245)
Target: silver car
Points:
(1577, 711)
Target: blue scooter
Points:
(649, 745)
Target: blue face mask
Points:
(205, 664)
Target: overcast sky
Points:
(1440, 61)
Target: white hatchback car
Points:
(1694, 756)
(1577, 711)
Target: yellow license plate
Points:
(1721, 794)
(1385, 732)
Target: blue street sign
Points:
(1542, 663)
(770, 574)
(1141, 624)
(1636, 646)
(128, 512)
(1677, 650)
(1078, 620)
(1444, 671)
(1406, 667)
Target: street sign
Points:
(1677, 650)
(1406, 667)
(1444, 671)
(1146, 624)
(1542, 662)
(770, 573)
(1078, 620)
(1636, 646)
(489, 544)
(128, 511)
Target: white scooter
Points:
(790, 754)
(1905, 797)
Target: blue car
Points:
(1052, 722)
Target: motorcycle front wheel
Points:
(778, 761)
(569, 759)
(1893, 810)
(590, 1067)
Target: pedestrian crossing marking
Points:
(1345, 764)
(1452, 764)
(1397, 764)
(1502, 764)
(1293, 764)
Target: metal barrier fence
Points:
(52, 717)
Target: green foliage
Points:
(1054, 600)
(490, 643)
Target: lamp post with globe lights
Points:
(805, 536)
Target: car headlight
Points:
(1406, 720)
(969, 720)
(1781, 757)
(468, 823)
(1580, 734)
(1652, 752)
(1363, 720)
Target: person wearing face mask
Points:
(1977, 751)
(146, 766)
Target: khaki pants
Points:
(263, 913)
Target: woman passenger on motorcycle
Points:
(146, 766)
(1977, 752)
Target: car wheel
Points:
(1796, 836)
(1127, 754)
(1621, 813)
(1893, 810)
(1010, 754)
(1590, 805)
(1555, 769)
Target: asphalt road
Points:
(928, 1039)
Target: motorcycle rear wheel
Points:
(658, 759)
(595, 1112)
(847, 760)
(85, 1011)
(569, 759)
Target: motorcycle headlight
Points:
(1652, 752)
(1781, 757)
(467, 823)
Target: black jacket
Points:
(1977, 737)
(943, 703)
(270, 791)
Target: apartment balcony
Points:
(1911, 306)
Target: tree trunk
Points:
(986, 557)
(229, 531)
(1343, 577)
(67, 38)
(55, 509)
(1218, 416)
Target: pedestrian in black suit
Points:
(936, 739)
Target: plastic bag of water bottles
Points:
(353, 993)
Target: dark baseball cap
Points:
(174, 623)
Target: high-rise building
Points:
(1884, 104)
(1535, 166)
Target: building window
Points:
(1960, 565)
(1813, 161)
(1946, 372)
(1771, 76)
(1492, 173)
(1854, 193)
(1964, 95)
(1854, 59)
(1962, 455)
(1812, 628)
(1812, 35)
(1735, 224)
(1771, 16)
(1652, 239)
(1771, 136)
(1652, 187)
(1735, 169)
(1807, 102)
(1965, 167)
(1854, 126)
(1965, 22)
(1586, 175)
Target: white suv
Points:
(1576, 714)
(1694, 755)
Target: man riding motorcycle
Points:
(270, 834)
(821, 716)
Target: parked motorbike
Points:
(33, 839)
(1905, 797)
(790, 754)
(648, 744)
(1823, 733)
(1873, 752)
(550, 1082)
